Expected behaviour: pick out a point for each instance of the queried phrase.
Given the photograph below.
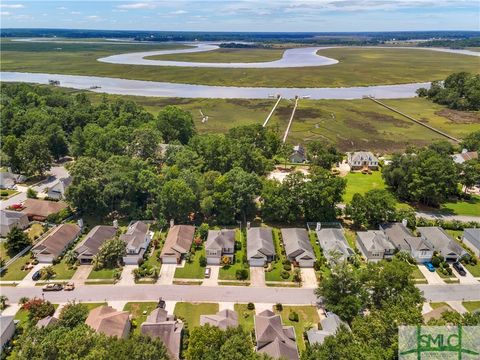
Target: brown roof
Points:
(108, 321)
(436, 313)
(95, 238)
(56, 241)
(42, 208)
(222, 319)
(178, 241)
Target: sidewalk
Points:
(27, 280)
(432, 277)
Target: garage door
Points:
(213, 261)
(257, 262)
(169, 260)
(305, 263)
(44, 258)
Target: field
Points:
(361, 183)
(357, 67)
(137, 309)
(191, 312)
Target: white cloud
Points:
(93, 17)
(75, 12)
(61, 8)
(12, 6)
(4, 13)
(137, 6)
(178, 12)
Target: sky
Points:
(246, 15)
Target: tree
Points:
(34, 155)
(471, 142)
(17, 240)
(73, 314)
(175, 124)
(70, 257)
(469, 174)
(47, 272)
(376, 207)
(145, 143)
(31, 194)
(178, 200)
(110, 254)
(10, 148)
(322, 156)
(3, 302)
(38, 309)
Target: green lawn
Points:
(245, 316)
(350, 236)
(63, 271)
(91, 306)
(102, 274)
(8, 193)
(474, 269)
(191, 312)
(472, 305)
(416, 273)
(228, 272)
(361, 183)
(436, 305)
(469, 207)
(308, 318)
(136, 309)
(35, 231)
(192, 270)
(3, 252)
(14, 271)
(277, 266)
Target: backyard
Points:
(275, 269)
(191, 312)
(137, 310)
(307, 318)
(361, 183)
(245, 316)
(35, 231)
(229, 272)
(192, 269)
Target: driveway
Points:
(27, 280)
(467, 279)
(82, 274)
(213, 279)
(257, 276)
(127, 277)
(309, 278)
(432, 277)
(167, 272)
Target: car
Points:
(430, 267)
(36, 275)
(207, 272)
(69, 286)
(457, 266)
(53, 287)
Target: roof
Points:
(374, 240)
(55, 242)
(473, 236)
(61, 184)
(436, 313)
(10, 217)
(332, 323)
(315, 336)
(49, 320)
(178, 241)
(135, 235)
(95, 239)
(332, 240)
(108, 321)
(465, 156)
(441, 241)
(361, 156)
(297, 242)
(5, 321)
(42, 208)
(396, 233)
(260, 242)
(222, 319)
(220, 239)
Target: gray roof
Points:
(374, 240)
(49, 320)
(332, 241)
(222, 319)
(220, 239)
(441, 241)
(330, 326)
(473, 236)
(5, 322)
(135, 235)
(362, 156)
(10, 217)
(396, 233)
(95, 239)
(297, 243)
(260, 242)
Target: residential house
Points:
(274, 339)
(46, 321)
(37, 209)
(374, 245)
(92, 242)
(334, 244)
(436, 314)
(177, 244)
(330, 325)
(222, 319)
(55, 242)
(465, 155)
(260, 247)
(7, 329)
(58, 188)
(9, 179)
(471, 238)
(362, 160)
(167, 328)
(106, 320)
(10, 220)
(442, 242)
(298, 155)
(137, 238)
(220, 243)
(298, 247)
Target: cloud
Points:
(137, 6)
(178, 12)
(75, 12)
(93, 17)
(12, 6)
(61, 8)
(4, 13)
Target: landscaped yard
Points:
(14, 271)
(63, 271)
(307, 319)
(137, 310)
(361, 183)
(245, 316)
(35, 231)
(192, 270)
(22, 315)
(6, 193)
(3, 252)
(91, 306)
(474, 269)
(471, 305)
(277, 266)
(102, 274)
(467, 207)
(416, 273)
(229, 272)
(191, 312)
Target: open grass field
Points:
(467, 207)
(361, 183)
(357, 67)
(191, 312)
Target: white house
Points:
(58, 189)
(137, 238)
(220, 243)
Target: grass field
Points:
(101, 274)
(63, 271)
(361, 183)
(307, 318)
(192, 270)
(35, 231)
(191, 312)
(357, 67)
(229, 272)
(14, 271)
(472, 305)
(245, 316)
(136, 309)
(467, 207)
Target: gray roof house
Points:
(298, 247)
(137, 238)
(9, 179)
(10, 220)
(374, 246)
(7, 329)
(298, 155)
(274, 339)
(222, 319)
(220, 243)
(167, 328)
(471, 238)
(260, 247)
(442, 242)
(177, 244)
(92, 242)
(465, 155)
(362, 159)
(330, 326)
(334, 244)
(55, 242)
(59, 187)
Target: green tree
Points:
(73, 314)
(322, 156)
(31, 194)
(110, 254)
(10, 148)
(38, 309)
(178, 200)
(175, 124)
(471, 142)
(376, 207)
(144, 143)
(17, 240)
(34, 155)
(47, 272)
(469, 174)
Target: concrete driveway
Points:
(467, 279)
(213, 279)
(167, 272)
(27, 280)
(82, 274)
(432, 277)
(257, 276)
(309, 278)
(127, 277)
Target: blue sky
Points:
(249, 15)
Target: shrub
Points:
(286, 262)
(251, 306)
(203, 231)
(241, 274)
(31, 194)
(285, 274)
(203, 261)
(279, 307)
(293, 316)
(4, 193)
(287, 267)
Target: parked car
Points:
(53, 287)
(457, 266)
(36, 275)
(430, 267)
(69, 286)
(207, 272)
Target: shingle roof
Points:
(296, 241)
(396, 233)
(49, 320)
(5, 322)
(55, 242)
(332, 240)
(441, 241)
(473, 235)
(220, 239)
(260, 242)
(107, 320)
(374, 240)
(362, 156)
(42, 208)
(10, 217)
(95, 239)
(178, 241)
(222, 319)
(135, 235)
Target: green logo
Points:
(438, 342)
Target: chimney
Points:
(248, 225)
(80, 224)
(319, 226)
(172, 222)
(404, 222)
(115, 224)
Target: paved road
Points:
(451, 292)
(435, 215)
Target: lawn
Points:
(3, 251)
(63, 271)
(416, 273)
(14, 271)
(471, 305)
(436, 305)
(136, 309)
(102, 274)
(35, 231)
(245, 316)
(91, 306)
(308, 318)
(228, 272)
(191, 312)
(277, 266)
(361, 183)
(192, 270)
(22, 315)
(474, 269)
(467, 207)
(6, 193)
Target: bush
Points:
(279, 307)
(251, 306)
(203, 261)
(293, 316)
(241, 274)
(203, 231)
(4, 193)
(286, 262)
(31, 194)
(285, 274)
(287, 267)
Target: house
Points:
(106, 320)
(9, 179)
(55, 242)
(298, 247)
(92, 242)
(260, 248)
(362, 159)
(160, 324)
(330, 325)
(298, 155)
(220, 243)
(222, 319)
(436, 314)
(10, 220)
(177, 244)
(7, 329)
(37, 209)
(274, 339)
(334, 244)
(46, 321)
(442, 243)
(471, 238)
(374, 245)
(465, 155)
(403, 240)
(59, 187)
(137, 238)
